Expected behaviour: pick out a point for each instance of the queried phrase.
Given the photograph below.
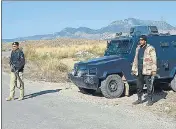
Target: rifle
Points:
(152, 81)
(17, 75)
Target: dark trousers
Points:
(141, 79)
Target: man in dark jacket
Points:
(18, 60)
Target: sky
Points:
(28, 18)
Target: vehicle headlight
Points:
(80, 73)
(93, 71)
(73, 72)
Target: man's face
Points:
(14, 47)
(142, 42)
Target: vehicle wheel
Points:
(112, 86)
(173, 84)
(86, 91)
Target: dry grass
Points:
(57, 42)
(51, 60)
(41, 53)
(51, 70)
(51, 65)
(4, 47)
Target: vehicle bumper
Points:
(88, 81)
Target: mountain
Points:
(102, 33)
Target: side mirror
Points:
(108, 43)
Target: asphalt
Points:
(45, 108)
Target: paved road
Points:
(46, 108)
(6, 54)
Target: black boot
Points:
(139, 101)
(150, 102)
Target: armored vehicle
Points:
(111, 72)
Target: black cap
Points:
(143, 37)
(15, 43)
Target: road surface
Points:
(45, 108)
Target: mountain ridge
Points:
(102, 33)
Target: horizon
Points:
(27, 21)
(68, 27)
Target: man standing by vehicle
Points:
(144, 67)
(17, 62)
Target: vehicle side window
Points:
(153, 29)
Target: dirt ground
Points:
(164, 100)
(33, 73)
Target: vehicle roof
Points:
(141, 26)
(121, 38)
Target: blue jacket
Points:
(18, 60)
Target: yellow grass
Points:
(38, 53)
(50, 59)
(53, 65)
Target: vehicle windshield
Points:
(116, 47)
(142, 29)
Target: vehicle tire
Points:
(112, 86)
(86, 91)
(173, 83)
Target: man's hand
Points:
(153, 73)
